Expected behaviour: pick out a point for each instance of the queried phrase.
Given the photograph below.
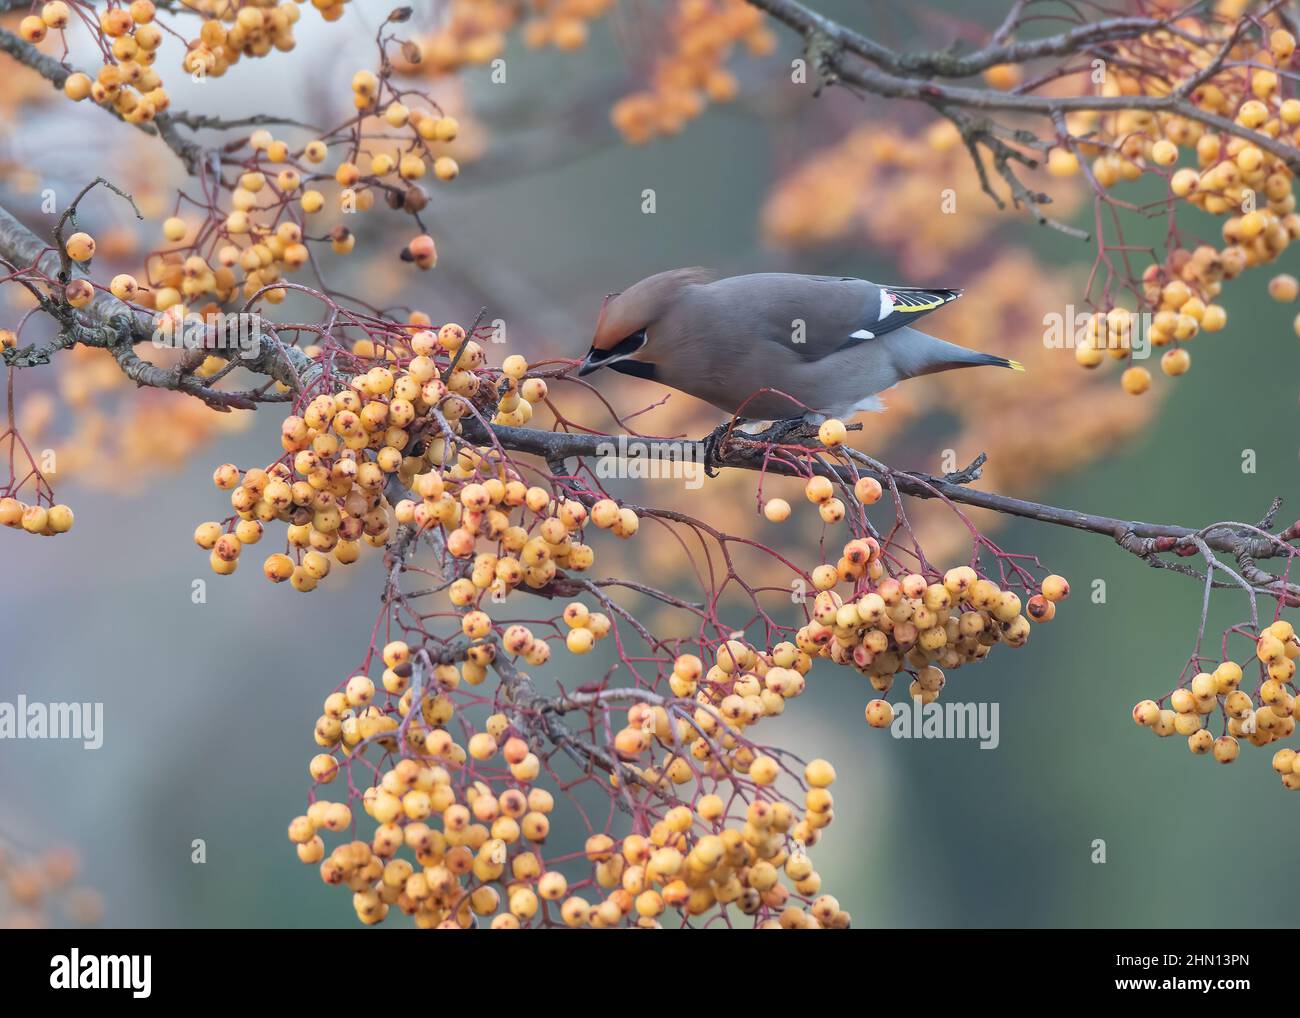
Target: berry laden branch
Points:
(1146, 540)
(161, 125)
(1107, 89)
(110, 324)
(878, 70)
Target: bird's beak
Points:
(597, 359)
(594, 360)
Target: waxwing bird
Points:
(832, 343)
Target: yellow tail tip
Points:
(1015, 365)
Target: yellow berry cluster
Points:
(35, 519)
(471, 33)
(519, 395)
(585, 628)
(924, 626)
(248, 248)
(476, 850)
(344, 447)
(470, 511)
(693, 71)
(250, 29)
(563, 24)
(426, 127)
(697, 858)
(1251, 188)
(129, 84)
(739, 689)
(1267, 718)
(909, 623)
(178, 280)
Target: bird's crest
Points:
(625, 313)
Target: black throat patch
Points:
(637, 369)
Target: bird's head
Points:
(622, 330)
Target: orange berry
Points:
(80, 247)
(1283, 288)
(868, 490)
(32, 28)
(819, 489)
(1003, 76)
(1175, 362)
(1136, 381)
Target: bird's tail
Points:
(917, 353)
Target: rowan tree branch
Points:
(110, 324)
(848, 57)
(164, 125)
(1140, 538)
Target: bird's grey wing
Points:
(815, 316)
(807, 317)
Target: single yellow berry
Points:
(868, 490)
(1175, 362)
(1164, 152)
(819, 773)
(1283, 288)
(777, 510)
(77, 86)
(1056, 588)
(80, 247)
(832, 433)
(1061, 162)
(59, 519)
(819, 489)
(1136, 381)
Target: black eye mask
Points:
(615, 358)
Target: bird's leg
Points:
(795, 430)
(712, 446)
(778, 431)
(768, 433)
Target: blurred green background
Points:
(209, 708)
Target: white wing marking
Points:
(886, 304)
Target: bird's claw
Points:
(712, 447)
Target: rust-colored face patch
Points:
(605, 338)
